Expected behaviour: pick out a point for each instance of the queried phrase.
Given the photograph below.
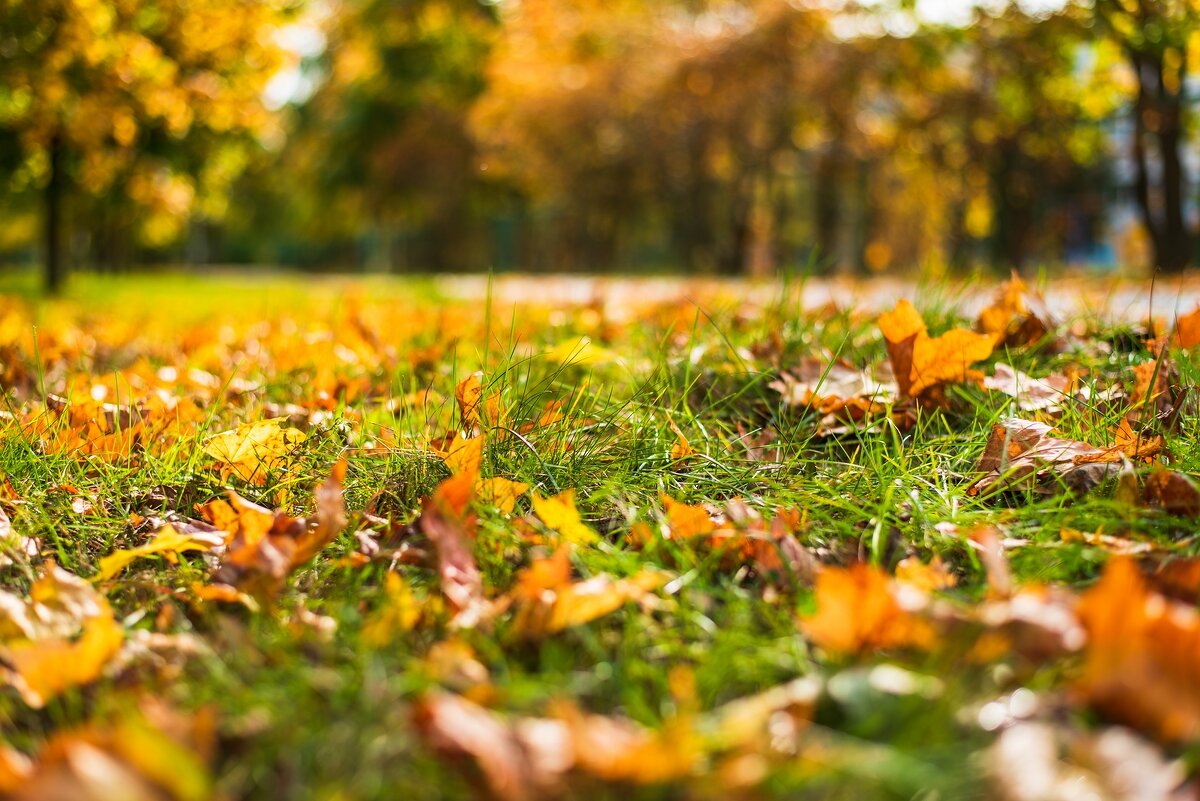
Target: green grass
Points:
(304, 716)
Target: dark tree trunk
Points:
(1158, 120)
(827, 206)
(55, 268)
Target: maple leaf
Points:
(857, 611)
(558, 512)
(921, 362)
(252, 449)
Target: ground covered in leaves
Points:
(353, 541)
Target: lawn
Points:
(347, 539)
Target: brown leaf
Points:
(1017, 316)
(1049, 395)
(447, 522)
(1021, 455)
(1172, 492)
(263, 548)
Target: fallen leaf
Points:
(558, 512)
(145, 755)
(501, 493)
(921, 362)
(1187, 329)
(580, 352)
(1021, 455)
(1142, 655)
(925, 577)
(1017, 316)
(681, 449)
(1172, 492)
(252, 449)
(263, 548)
(1049, 395)
(447, 522)
(166, 541)
(62, 637)
(857, 611)
(686, 521)
(547, 602)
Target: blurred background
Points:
(715, 137)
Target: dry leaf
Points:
(1017, 316)
(686, 521)
(447, 522)
(925, 577)
(1172, 492)
(857, 611)
(166, 541)
(921, 362)
(62, 637)
(1021, 455)
(1142, 655)
(501, 493)
(252, 449)
(558, 512)
(264, 547)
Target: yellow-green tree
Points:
(150, 100)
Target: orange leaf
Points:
(857, 611)
(921, 362)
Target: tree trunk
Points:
(55, 267)
(827, 207)
(1158, 118)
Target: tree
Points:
(140, 100)
(384, 137)
(1155, 37)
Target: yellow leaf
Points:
(42, 669)
(682, 449)
(500, 492)
(251, 449)
(399, 612)
(167, 540)
(559, 513)
(925, 577)
(580, 352)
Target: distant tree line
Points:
(717, 136)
